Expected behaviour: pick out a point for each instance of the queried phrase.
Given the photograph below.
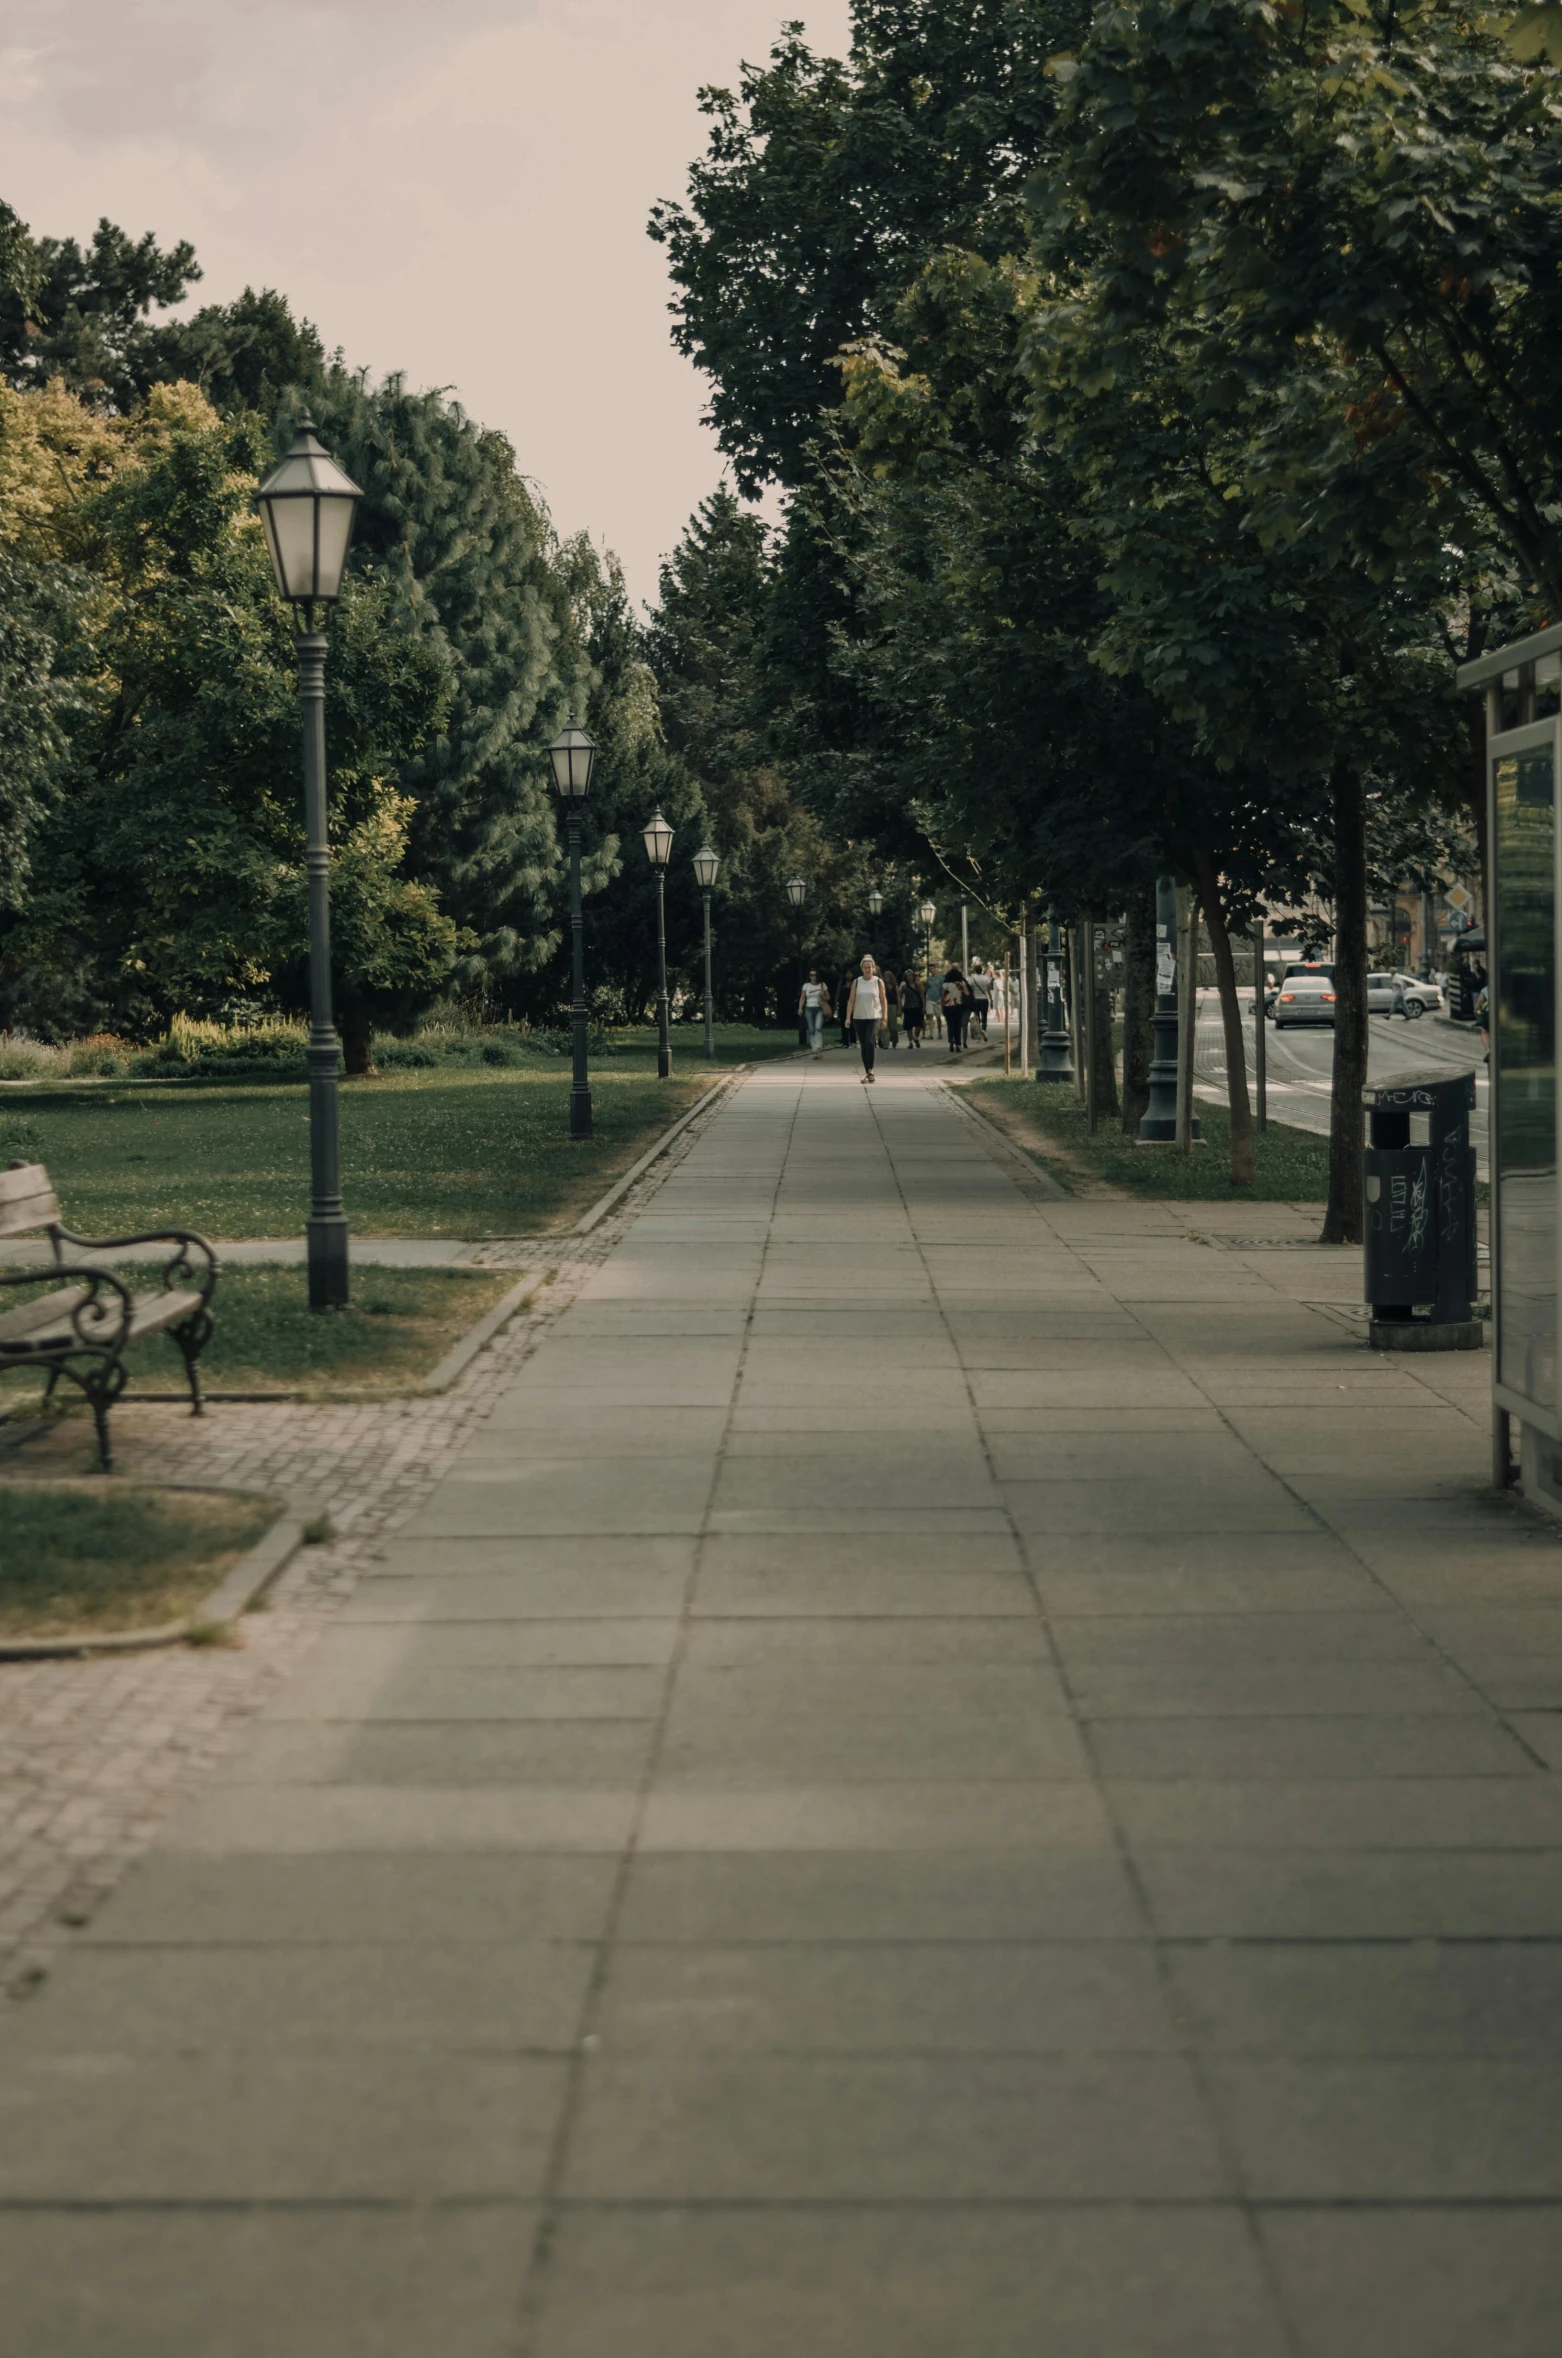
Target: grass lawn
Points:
(736, 1043)
(1293, 1165)
(267, 1339)
(79, 1556)
(472, 1152)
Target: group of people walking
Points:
(875, 1008)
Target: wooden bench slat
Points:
(23, 1179)
(43, 1310)
(29, 1211)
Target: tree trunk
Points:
(1342, 1222)
(1103, 1076)
(1138, 1006)
(1243, 1170)
(357, 1031)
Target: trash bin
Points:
(1419, 1176)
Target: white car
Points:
(1401, 994)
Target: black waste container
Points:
(1419, 1178)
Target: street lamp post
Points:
(797, 894)
(1055, 1057)
(307, 505)
(573, 755)
(658, 839)
(927, 912)
(705, 866)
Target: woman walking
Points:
(952, 1000)
(813, 1005)
(867, 1013)
(913, 1009)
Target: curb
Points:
(604, 1204)
(232, 1597)
(1050, 1187)
(477, 1338)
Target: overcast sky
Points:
(457, 190)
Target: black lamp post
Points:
(307, 506)
(705, 866)
(930, 1005)
(1158, 1122)
(797, 894)
(1055, 1059)
(658, 839)
(574, 755)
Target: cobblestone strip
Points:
(96, 1754)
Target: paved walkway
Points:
(947, 1776)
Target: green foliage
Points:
(464, 556)
(170, 866)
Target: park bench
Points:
(90, 1318)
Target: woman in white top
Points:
(867, 1013)
(813, 1005)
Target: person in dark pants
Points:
(913, 1007)
(867, 1013)
(953, 1001)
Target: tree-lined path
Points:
(947, 1772)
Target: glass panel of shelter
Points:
(1524, 774)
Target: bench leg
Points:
(102, 1391)
(192, 1338)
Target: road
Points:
(1300, 1063)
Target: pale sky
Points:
(458, 190)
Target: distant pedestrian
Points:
(952, 998)
(981, 996)
(890, 1035)
(813, 1005)
(848, 978)
(913, 1008)
(867, 1013)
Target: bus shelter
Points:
(1522, 685)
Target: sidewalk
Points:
(947, 1775)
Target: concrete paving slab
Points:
(927, 2128)
(1277, 1894)
(915, 2282)
(881, 1896)
(1438, 2282)
(1392, 1998)
(252, 1900)
(1385, 2130)
(942, 1997)
(1004, 1814)
(336, 2282)
(1294, 1745)
(606, 1755)
(259, 2126)
(433, 1996)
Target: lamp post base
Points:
(1056, 1061)
(580, 1113)
(326, 1245)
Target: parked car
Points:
(1305, 998)
(1426, 995)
